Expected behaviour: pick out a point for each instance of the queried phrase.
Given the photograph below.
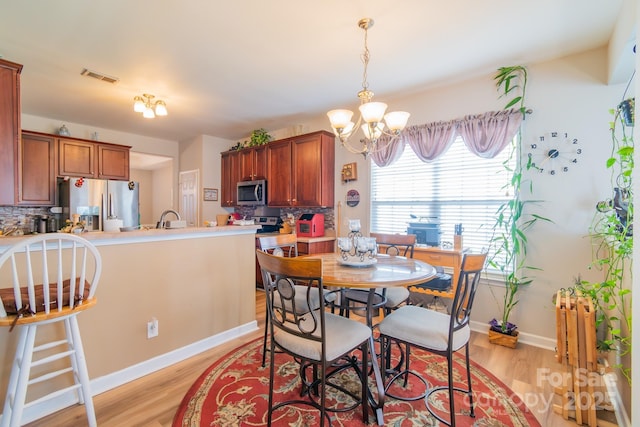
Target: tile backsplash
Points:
(21, 217)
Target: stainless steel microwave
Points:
(252, 192)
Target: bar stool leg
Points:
(19, 379)
(83, 373)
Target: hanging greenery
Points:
(611, 233)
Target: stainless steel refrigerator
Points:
(98, 200)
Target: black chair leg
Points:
(452, 410)
(264, 343)
(470, 392)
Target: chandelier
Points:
(148, 107)
(371, 113)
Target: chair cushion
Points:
(301, 299)
(342, 336)
(9, 301)
(422, 327)
(396, 296)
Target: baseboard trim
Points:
(116, 379)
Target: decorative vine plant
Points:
(611, 234)
(508, 245)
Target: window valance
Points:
(485, 135)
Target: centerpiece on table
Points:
(355, 249)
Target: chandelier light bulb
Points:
(372, 132)
(340, 118)
(396, 120)
(138, 104)
(148, 113)
(161, 108)
(372, 111)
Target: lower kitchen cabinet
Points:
(316, 247)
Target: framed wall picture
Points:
(210, 194)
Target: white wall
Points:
(570, 95)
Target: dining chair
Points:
(313, 336)
(279, 245)
(52, 278)
(390, 298)
(438, 333)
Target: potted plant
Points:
(508, 245)
(611, 235)
(258, 137)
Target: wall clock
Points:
(554, 153)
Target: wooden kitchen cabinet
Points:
(316, 247)
(300, 171)
(76, 158)
(88, 159)
(37, 173)
(113, 162)
(253, 163)
(9, 129)
(230, 174)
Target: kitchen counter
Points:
(199, 283)
(316, 239)
(328, 237)
(102, 238)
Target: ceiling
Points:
(226, 68)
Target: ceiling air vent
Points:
(99, 76)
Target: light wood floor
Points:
(153, 399)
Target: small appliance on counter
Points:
(426, 229)
(310, 225)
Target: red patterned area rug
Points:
(234, 391)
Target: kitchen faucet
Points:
(161, 223)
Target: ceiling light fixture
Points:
(371, 113)
(144, 104)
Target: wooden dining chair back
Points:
(438, 333)
(301, 327)
(281, 244)
(395, 244)
(52, 278)
(390, 298)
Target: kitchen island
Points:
(199, 283)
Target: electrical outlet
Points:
(152, 328)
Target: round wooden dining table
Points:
(386, 271)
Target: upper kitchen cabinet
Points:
(76, 158)
(37, 173)
(88, 159)
(113, 162)
(230, 173)
(9, 129)
(253, 163)
(300, 171)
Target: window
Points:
(457, 188)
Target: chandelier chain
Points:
(365, 60)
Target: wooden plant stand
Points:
(582, 391)
(504, 340)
